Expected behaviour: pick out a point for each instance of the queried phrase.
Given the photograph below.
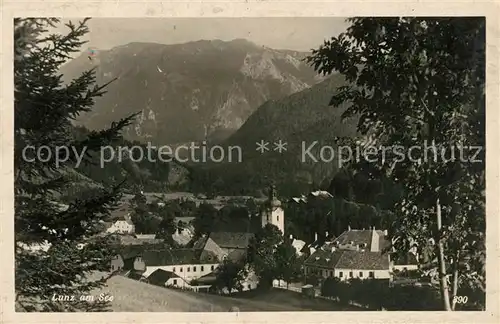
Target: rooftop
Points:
(357, 237)
(160, 277)
(131, 251)
(131, 240)
(235, 240)
(345, 259)
(177, 257)
(353, 250)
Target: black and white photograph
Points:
(251, 164)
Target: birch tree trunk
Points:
(442, 266)
(455, 282)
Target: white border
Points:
(83, 8)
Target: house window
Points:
(278, 218)
(175, 282)
(202, 268)
(331, 273)
(173, 269)
(189, 269)
(180, 269)
(361, 274)
(212, 268)
(371, 274)
(194, 269)
(341, 274)
(350, 274)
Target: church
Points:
(231, 240)
(272, 212)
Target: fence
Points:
(283, 285)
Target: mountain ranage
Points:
(189, 92)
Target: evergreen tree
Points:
(44, 108)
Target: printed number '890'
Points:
(460, 299)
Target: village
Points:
(195, 263)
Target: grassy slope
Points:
(134, 296)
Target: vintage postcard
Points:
(250, 162)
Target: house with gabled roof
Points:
(122, 225)
(125, 259)
(143, 260)
(354, 254)
(188, 264)
(226, 245)
(170, 279)
(165, 278)
(362, 254)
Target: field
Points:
(134, 296)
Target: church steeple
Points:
(273, 199)
(272, 192)
(272, 212)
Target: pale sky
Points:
(301, 34)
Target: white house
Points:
(187, 264)
(183, 236)
(362, 254)
(167, 279)
(122, 225)
(297, 244)
(354, 254)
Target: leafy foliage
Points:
(156, 217)
(288, 263)
(272, 257)
(205, 218)
(230, 275)
(262, 253)
(417, 81)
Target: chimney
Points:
(386, 233)
(332, 248)
(291, 237)
(326, 234)
(375, 242)
(315, 237)
(348, 227)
